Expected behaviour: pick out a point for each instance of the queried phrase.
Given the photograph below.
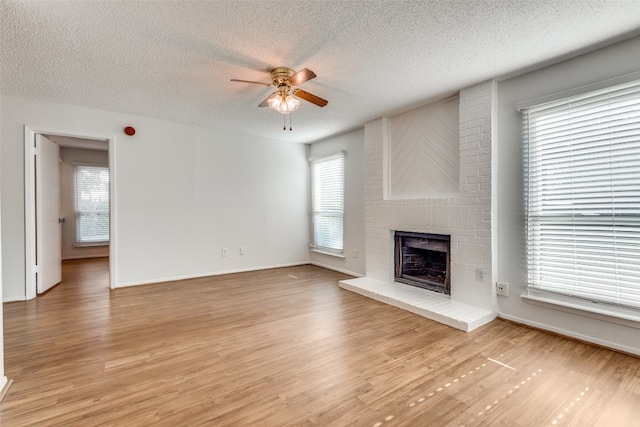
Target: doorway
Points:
(41, 262)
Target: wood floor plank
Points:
(288, 347)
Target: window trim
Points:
(324, 250)
(612, 312)
(96, 243)
(627, 78)
(601, 311)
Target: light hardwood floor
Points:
(288, 347)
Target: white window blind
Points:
(582, 175)
(327, 180)
(92, 205)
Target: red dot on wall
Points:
(129, 130)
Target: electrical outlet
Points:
(355, 253)
(502, 289)
(225, 251)
(243, 250)
(480, 274)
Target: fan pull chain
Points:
(284, 122)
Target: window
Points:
(327, 181)
(582, 175)
(92, 205)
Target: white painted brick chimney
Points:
(465, 216)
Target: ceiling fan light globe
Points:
(284, 104)
(275, 102)
(291, 103)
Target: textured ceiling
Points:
(173, 60)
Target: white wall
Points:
(182, 193)
(353, 143)
(611, 62)
(70, 157)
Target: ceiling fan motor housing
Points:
(281, 76)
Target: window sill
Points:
(319, 251)
(91, 245)
(608, 313)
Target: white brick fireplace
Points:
(423, 175)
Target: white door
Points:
(48, 225)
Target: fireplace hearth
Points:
(423, 260)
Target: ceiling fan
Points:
(284, 99)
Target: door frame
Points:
(31, 268)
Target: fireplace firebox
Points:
(423, 260)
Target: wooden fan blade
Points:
(310, 97)
(255, 83)
(265, 103)
(301, 77)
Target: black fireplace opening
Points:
(423, 260)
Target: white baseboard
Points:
(339, 270)
(69, 258)
(14, 299)
(216, 273)
(603, 343)
(4, 386)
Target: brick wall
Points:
(465, 216)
